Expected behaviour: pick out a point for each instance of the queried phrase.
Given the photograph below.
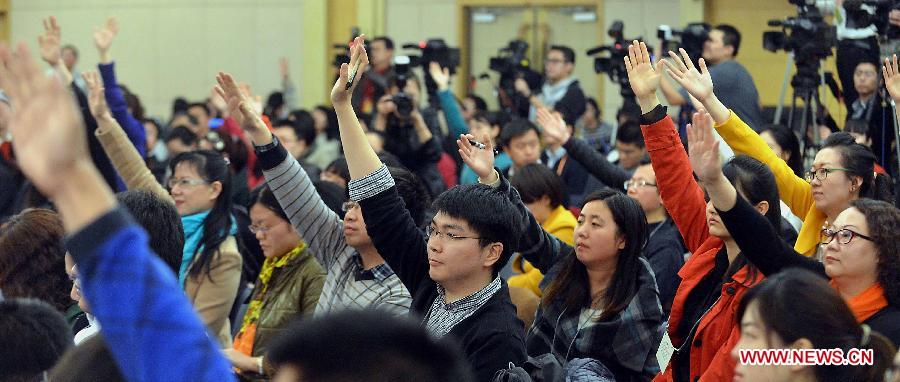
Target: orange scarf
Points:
(867, 303)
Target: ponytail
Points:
(881, 188)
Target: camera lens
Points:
(404, 104)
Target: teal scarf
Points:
(193, 233)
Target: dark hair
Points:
(591, 101)
(413, 192)
(857, 126)
(388, 43)
(332, 195)
(788, 300)
(480, 104)
(516, 128)
(488, 212)
(787, 140)
(630, 133)
(534, 181)
(202, 105)
(183, 135)
(493, 118)
(133, 102)
(339, 167)
(572, 286)
(274, 101)
(331, 131)
(161, 221)
(400, 350)
(231, 146)
(568, 53)
(730, 36)
(179, 106)
(90, 361)
(70, 47)
(303, 128)
(860, 161)
(217, 226)
(883, 220)
(34, 337)
(155, 123)
(630, 111)
(32, 258)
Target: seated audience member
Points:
(298, 138)
(600, 299)
(785, 145)
(453, 274)
(629, 146)
(860, 132)
(90, 361)
(472, 104)
(592, 129)
(288, 286)
(32, 258)
(336, 172)
(344, 347)
(795, 309)
(34, 337)
(521, 140)
(357, 276)
(490, 123)
(181, 140)
(575, 179)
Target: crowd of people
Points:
(365, 240)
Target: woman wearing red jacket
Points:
(715, 277)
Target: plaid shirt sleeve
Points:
(371, 184)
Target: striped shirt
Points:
(347, 285)
(442, 317)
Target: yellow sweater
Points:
(561, 223)
(793, 190)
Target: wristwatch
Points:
(267, 146)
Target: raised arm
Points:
(554, 128)
(891, 73)
(103, 38)
(456, 124)
(291, 99)
(681, 195)
(50, 42)
(147, 321)
(121, 152)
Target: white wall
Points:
(171, 48)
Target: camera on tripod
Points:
(810, 37)
(612, 61)
(691, 38)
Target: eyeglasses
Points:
(638, 183)
(822, 173)
(255, 229)
(844, 236)
(185, 182)
(347, 206)
(430, 231)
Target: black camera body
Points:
(691, 38)
(808, 36)
(512, 63)
(402, 100)
(612, 61)
(433, 50)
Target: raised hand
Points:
(96, 98)
(441, 76)
(644, 78)
(481, 161)
(104, 36)
(704, 148)
(283, 67)
(698, 83)
(892, 78)
(50, 41)
(554, 128)
(359, 61)
(48, 132)
(241, 108)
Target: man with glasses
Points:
(561, 90)
(869, 108)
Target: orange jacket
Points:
(717, 332)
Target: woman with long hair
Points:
(32, 260)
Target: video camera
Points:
(433, 50)
(808, 36)
(512, 63)
(613, 64)
(691, 38)
(876, 14)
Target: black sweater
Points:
(763, 247)
(492, 337)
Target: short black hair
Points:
(90, 361)
(388, 43)
(534, 181)
(34, 336)
(630, 133)
(304, 128)
(332, 195)
(200, 105)
(730, 36)
(629, 111)
(517, 127)
(399, 350)
(339, 167)
(488, 211)
(568, 53)
(480, 103)
(182, 134)
(413, 192)
(160, 219)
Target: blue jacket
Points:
(148, 323)
(119, 109)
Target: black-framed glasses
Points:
(430, 231)
(844, 236)
(822, 173)
(638, 183)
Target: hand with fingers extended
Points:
(891, 73)
(480, 160)
(553, 126)
(104, 36)
(242, 109)
(698, 83)
(350, 73)
(642, 75)
(704, 148)
(50, 41)
(441, 76)
(96, 98)
(47, 128)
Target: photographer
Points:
(410, 133)
(738, 90)
(374, 82)
(560, 91)
(869, 108)
(857, 42)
